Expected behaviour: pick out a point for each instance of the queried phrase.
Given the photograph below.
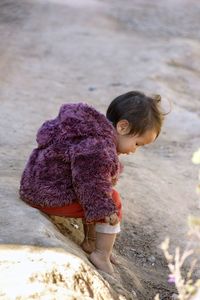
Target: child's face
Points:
(127, 144)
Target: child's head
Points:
(137, 118)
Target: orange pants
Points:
(75, 210)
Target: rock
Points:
(92, 88)
(34, 272)
(174, 296)
(151, 259)
(89, 49)
(134, 293)
(140, 255)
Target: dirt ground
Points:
(57, 51)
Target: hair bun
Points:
(157, 98)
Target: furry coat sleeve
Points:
(93, 164)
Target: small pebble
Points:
(92, 88)
(75, 225)
(140, 255)
(133, 249)
(174, 296)
(151, 259)
(134, 293)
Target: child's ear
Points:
(123, 127)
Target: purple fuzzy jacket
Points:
(76, 160)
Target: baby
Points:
(73, 170)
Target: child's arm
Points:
(92, 163)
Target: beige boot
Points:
(100, 257)
(88, 244)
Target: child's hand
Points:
(112, 219)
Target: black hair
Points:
(142, 112)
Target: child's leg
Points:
(88, 244)
(100, 257)
(105, 239)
